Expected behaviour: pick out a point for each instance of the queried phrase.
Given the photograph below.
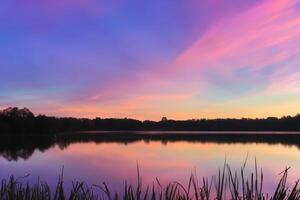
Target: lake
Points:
(112, 157)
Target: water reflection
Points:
(13, 148)
(112, 157)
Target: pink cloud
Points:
(262, 36)
(265, 36)
(284, 82)
(154, 105)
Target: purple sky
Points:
(148, 59)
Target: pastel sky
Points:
(148, 59)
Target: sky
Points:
(148, 59)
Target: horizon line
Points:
(163, 118)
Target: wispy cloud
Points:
(183, 60)
(262, 39)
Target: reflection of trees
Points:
(14, 155)
(13, 148)
(18, 123)
(62, 145)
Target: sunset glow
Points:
(148, 59)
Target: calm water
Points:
(113, 161)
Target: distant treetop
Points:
(16, 112)
(164, 119)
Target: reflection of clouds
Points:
(176, 160)
(115, 162)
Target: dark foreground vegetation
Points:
(225, 185)
(22, 121)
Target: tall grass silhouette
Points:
(227, 184)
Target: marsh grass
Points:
(227, 184)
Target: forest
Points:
(22, 121)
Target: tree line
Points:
(45, 125)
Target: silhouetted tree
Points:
(23, 122)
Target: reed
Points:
(227, 184)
